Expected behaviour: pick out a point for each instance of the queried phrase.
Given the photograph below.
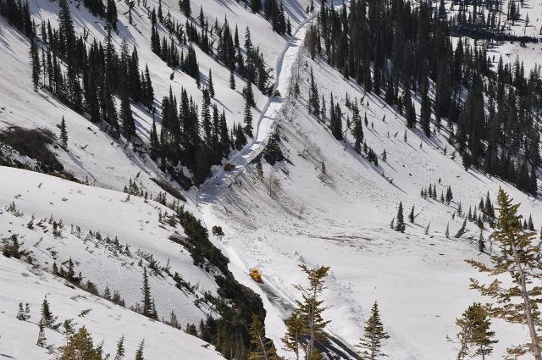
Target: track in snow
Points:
(264, 126)
(334, 347)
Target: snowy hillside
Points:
(105, 321)
(324, 205)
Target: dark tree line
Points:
(17, 14)
(194, 140)
(397, 52)
(85, 76)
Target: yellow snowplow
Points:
(255, 275)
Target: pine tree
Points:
(425, 112)
(357, 129)
(139, 352)
(248, 119)
(24, 312)
(293, 338)
(47, 317)
(310, 309)
(63, 134)
(68, 329)
(449, 195)
(400, 224)
(410, 111)
(374, 333)
(119, 355)
(111, 14)
(80, 346)
(148, 303)
(184, 5)
(519, 258)
(411, 215)
(263, 348)
(211, 85)
(148, 96)
(232, 80)
(474, 335)
(314, 100)
(154, 142)
(67, 31)
(35, 61)
(128, 123)
(249, 94)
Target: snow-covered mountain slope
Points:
(339, 217)
(110, 238)
(106, 322)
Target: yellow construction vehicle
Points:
(255, 274)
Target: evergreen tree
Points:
(357, 129)
(67, 32)
(232, 80)
(400, 224)
(240, 138)
(310, 309)
(474, 335)
(80, 346)
(119, 355)
(314, 100)
(111, 14)
(47, 318)
(449, 195)
(248, 94)
(335, 119)
(425, 112)
(410, 111)
(263, 348)
(248, 119)
(374, 333)
(184, 5)
(148, 96)
(148, 303)
(35, 61)
(139, 352)
(63, 134)
(128, 123)
(211, 85)
(154, 142)
(411, 215)
(295, 328)
(24, 312)
(519, 258)
(255, 6)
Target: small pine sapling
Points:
(371, 343)
(119, 355)
(139, 352)
(24, 312)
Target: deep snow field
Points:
(340, 218)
